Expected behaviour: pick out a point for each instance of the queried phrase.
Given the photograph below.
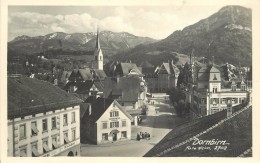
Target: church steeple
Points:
(98, 56)
(97, 41)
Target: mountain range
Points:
(226, 35)
(111, 42)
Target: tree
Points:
(184, 76)
(177, 97)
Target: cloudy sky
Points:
(151, 21)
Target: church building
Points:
(97, 62)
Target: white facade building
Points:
(42, 128)
(210, 96)
(106, 121)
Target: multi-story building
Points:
(82, 75)
(161, 78)
(129, 91)
(105, 121)
(85, 89)
(43, 120)
(210, 94)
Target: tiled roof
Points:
(100, 74)
(90, 99)
(98, 108)
(127, 87)
(99, 85)
(208, 73)
(28, 96)
(124, 69)
(85, 74)
(84, 87)
(168, 68)
(65, 75)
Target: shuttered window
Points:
(34, 128)
(22, 131)
(44, 125)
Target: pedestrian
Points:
(148, 136)
(141, 135)
(138, 137)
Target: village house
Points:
(130, 92)
(148, 70)
(127, 69)
(63, 78)
(161, 78)
(85, 89)
(211, 94)
(104, 121)
(82, 75)
(43, 120)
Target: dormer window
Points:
(243, 87)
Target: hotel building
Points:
(43, 120)
(211, 94)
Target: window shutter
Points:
(58, 122)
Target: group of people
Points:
(143, 135)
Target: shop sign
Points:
(61, 149)
(114, 118)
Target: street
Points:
(160, 120)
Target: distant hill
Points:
(111, 42)
(226, 35)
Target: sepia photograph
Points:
(129, 81)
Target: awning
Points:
(45, 147)
(66, 139)
(35, 129)
(54, 143)
(23, 154)
(35, 152)
(114, 132)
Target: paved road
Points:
(159, 121)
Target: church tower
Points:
(98, 55)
